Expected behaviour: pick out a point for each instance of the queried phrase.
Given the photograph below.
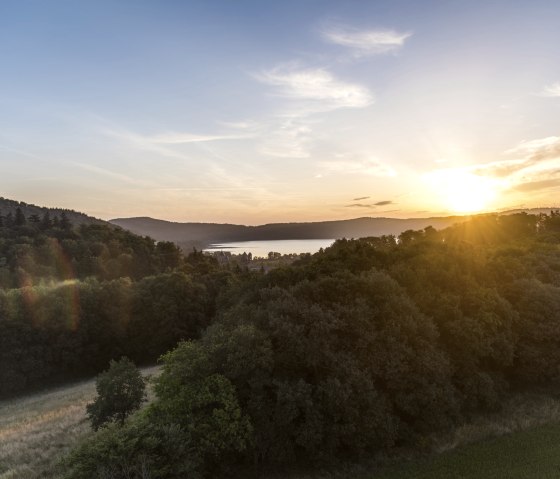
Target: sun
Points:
(463, 192)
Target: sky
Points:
(256, 112)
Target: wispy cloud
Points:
(307, 92)
(360, 198)
(318, 88)
(248, 125)
(539, 185)
(535, 167)
(113, 174)
(539, 149)
(20, 152)
(177, 138)
(365, 42)
(371, 205)
(162, 143)
(370, 166)
(289, 139)
(552, 90)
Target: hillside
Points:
(37, 430)
(208, 233)
(10, 206)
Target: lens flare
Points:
(32, 291)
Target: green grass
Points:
(521, 441)
(524, 455)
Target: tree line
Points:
(74, 297)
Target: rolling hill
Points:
(209, 233)
(10, 206)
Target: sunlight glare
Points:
(462, 191)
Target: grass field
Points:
(532, 454)
(36, 430)
(520, 442)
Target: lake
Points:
(262, 248)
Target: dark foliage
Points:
(73, 298)
(121, 390)
(370, 344)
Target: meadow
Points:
(521, 441)
(36, 431)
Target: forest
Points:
(370, 345)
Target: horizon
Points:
(533, 210)
(246, 113)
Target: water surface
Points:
(262, 248)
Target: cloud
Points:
(552, 90)
(366, 42)
(307, 92)
(240, 125)
(371, 166)
(538, 185)
(162, 143)
(112, 174)
(535, 167)
(20, 152)
(175, 138)
(318, 88)
(500, 169)
(289, 139)
(539, 149)
(358, 205)
(372, 205)
(360, 198)
(530, 154)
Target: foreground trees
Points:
(121, 390)
(366, 346)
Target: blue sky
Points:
(253, 111)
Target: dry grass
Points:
(36, 431)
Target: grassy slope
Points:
(35, 431)
(522, 441)
(525, 455)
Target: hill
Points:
(37, 430)
(209, 233)
(10, 206)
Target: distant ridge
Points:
(204, 234)
(212, 233)
(10, 206)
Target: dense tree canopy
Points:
(370, 344)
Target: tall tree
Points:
(46, 222)
(65, 223)
(20, 218)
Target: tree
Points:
(121, 390)
(20, 218)
(65, 223)
(34, 218)
(46, 222)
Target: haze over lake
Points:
(262, 248)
